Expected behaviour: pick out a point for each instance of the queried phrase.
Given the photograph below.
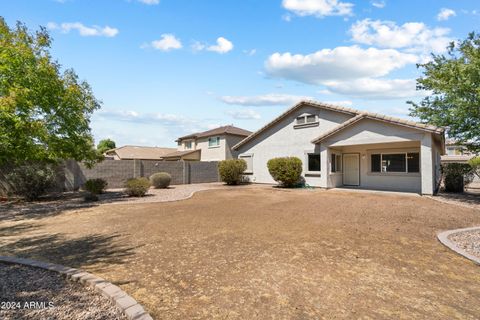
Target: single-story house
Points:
(137, 152)
(343, 147)
(212, 145)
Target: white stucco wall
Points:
(283, 140)
(365, 137)
(407, 182)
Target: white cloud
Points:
(178, 124)
(338, 64)
(244, 114)
(251, 52)
(376, 88)
(223, 46)
(83, 30)
(271, 99)
(318, 8)
(445, 14)
(411, 36)
(167, 42)
(149, 2)
(378, 4)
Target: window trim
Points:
(307, 171)
(381, 172)
(305, 123)
(247, 155)
(334, 167)
(191, 145)
(214, 146)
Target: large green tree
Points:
(44, 112)
(454, 83)
(105, 144)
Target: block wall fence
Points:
(71, 175)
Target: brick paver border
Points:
(443, 238)
(126, 304)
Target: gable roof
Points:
(358, 115)
(320, 105)
(231, 130)
(179, 154)
(378, 117)
(139, 152)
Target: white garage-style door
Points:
(351, 169)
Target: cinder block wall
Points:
(203, 172)
(116, 172)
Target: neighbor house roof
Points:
(456, 158)
(358, 115)
(179, 154)
(231, 130)
(378, 117)
(139, 152)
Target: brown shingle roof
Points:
(138, 152)
(232, 130)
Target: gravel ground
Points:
(172, 193)
(267, 253)
(56, 298)
(468, 241)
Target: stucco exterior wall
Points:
(283, 140)
(393, 181)
(211, 153)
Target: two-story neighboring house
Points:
(456, 153)
(211, 145)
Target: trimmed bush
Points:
(287, 170)
(456, 176)
(160, 180)
(95, 186)
(31, 181)
(231, 171)
(475, 164)
(137, 187)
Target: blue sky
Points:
(170, 67)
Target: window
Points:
(213, 142)
(249, 160)
(301, 120)
(306, 119)
(336, 163)
(413, 162)
(313, 162)
(375, 163)
(188, 145)
(395, 162)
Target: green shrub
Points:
(31, 181)
(475, 164)
(137, 187)
(160, 180)
(95, 186)
(456, 176)
(287, 171)
(231, 171)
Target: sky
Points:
(167, 68)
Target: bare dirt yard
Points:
(265, 253)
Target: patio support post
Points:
(426, 164)
(324, 156)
